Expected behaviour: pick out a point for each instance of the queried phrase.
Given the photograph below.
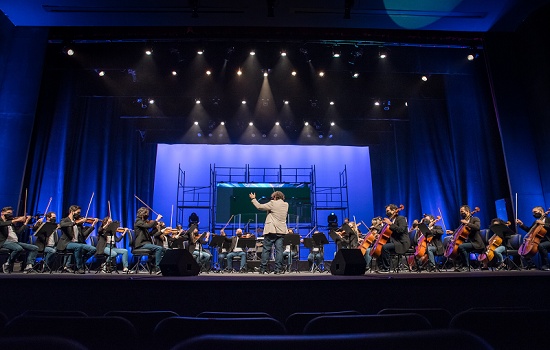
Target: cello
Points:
(459, 236)
(384, 235)
(422, 245)
(494, 242)
(371, 236)
(530, 245)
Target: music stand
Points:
(294, 241)
(216, 242)
(47, 228)
(502, 231)
(111, 228)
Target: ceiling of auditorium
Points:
(432, 15)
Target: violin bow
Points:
(145, 204)
(25, 203)
(47, 207)
(171, 215)
(442, 220)
(89, 204)
(516, 212)
(310, 232)
(227, 223)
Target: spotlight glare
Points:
(406, 104)
(243, 102)
(101, 73)
(355, 75)
(424, 78)
(286, 102)
(200, 52)
(283, 53)
(377, 103)
(239, 72)
(148, 52)
(151, 101)
(306, 123)
(294, 73)
(208, 72)
(336, 53)
(250, 123)
(174, 73)
(321, 74)
(265, 74)
(196, 123)
(197, 101)
(332, 123)
(331, 103)
(252, 53)
(277, 123)
(222, 123)
(70, 52)
(470, 57)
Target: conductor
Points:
(274, 228)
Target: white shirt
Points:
(12, 236)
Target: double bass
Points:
(459, 236)
(422, 245)
(384, 235)
(530, 245)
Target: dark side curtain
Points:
(80, 146)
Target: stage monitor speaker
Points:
(348, 262)
(179, 262)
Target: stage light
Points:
(336, 53)
(283, 53)
(199, 134)
(243, 102)
(222, 123)
(406, 104)
(250, 123)
(355, 75)
(196, 123)
(197, 101)
(331, 103)
(208, 72)
(286, 102)
(200, 52)
(293, 73)
(424, 78)
(382, 53)
(69, 51)
(377, 103)
(265, 74)
(321, 74)
(332, 123)
(277, 123)
(306, 123)
(239, 72)
(151, 101)
(332, 221)
(149, 52)
(101, 73)
(174, 73)
(252, 53)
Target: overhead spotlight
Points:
(197, 101)
(277, 123)
(222, 123)
(377, 103)
(101, 73)
(355, 75)
(252, 52)
(200, 52)
(68, 51)
(196, 123)
(332, 123)
(331, 103)
(208, 72)
(239, 72)
(293, 73)
(306, 123)
(285, 102)
(149, 52)
(151, 101)
(321, 74)
(243, 102)
(472, 56)
(424, 78)
(250, 124)
(283, 53)
(336, 53)
(406, 104)
(383, 53)
(174, 73)
(265, 74)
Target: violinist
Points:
(474, 241)
(316, 255)
(173, 237)
(544, 245)
(197, 241)
(287, 251)
(435, 247)
(44, 241)
(234, 251)
(9, 239)
(399, 241)
(106, 244)
(74, 237)
(144, 236)
(374, 229)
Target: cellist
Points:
(544, 245)
(474, 242)
(399, 241)
(435, 247)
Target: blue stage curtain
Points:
(80, 146)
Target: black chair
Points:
(348, 324)
(39, 342)
(61, 257)
(521, 329)
(438, 318)
(296, 322)
(216, 314)
(92, 332)
(138, 254)
(65, 313)
(144, 322)
(432, 339)
(511, 254)
(173, 330)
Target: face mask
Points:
(426, 222)
(8, 217)
(463, 215)
(537, 215)
(388, 213)
(54, 220)
(76, 216)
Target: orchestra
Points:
(383, 240)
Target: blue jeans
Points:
(270, 240)
(221, 258)
(230, 257)
(18, 247)
(112, 253)
(317, 257)
(431, 254)
(498, 254)
(82, 252)
(203, 257)
(368, 258)
(157, 249)
(49, 255)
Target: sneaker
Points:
(6, 268)
(28, 268)
(81, 271)
(68, 269)
(158, 271)
(125, 270)
(544, 268)
(383, 271)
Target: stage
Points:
(278, 295)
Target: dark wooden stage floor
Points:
(278, 295)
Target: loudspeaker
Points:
(348, 262)
(179, 262)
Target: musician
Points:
(44, 241)
(376, 225)
(349, 236)
(316, 254)
(474, 242)
(143, 229)
(274, 229)
(196, 243)
(106, 244)
(9, 239)
(287, 250)
(544, 245)
(399, 241)
(505, 236)
(174, 239)
(222, 250)
(435, 247)
(234, 251)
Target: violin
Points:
(384, 235)
(530, 245)
(122, 229)
(422, 245)
(459, 236)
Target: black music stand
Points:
(111, 228)
(317, 240)
(502, 230)
(294, 241)
(47, 228)
(216, 242)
